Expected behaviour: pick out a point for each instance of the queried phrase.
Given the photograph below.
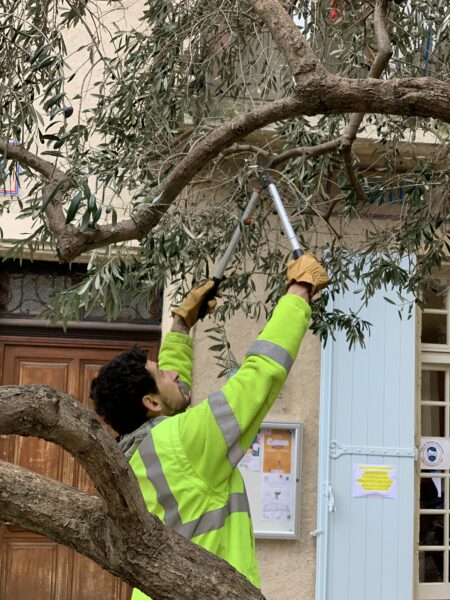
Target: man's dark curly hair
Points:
(118, 389)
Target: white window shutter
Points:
(365, 546)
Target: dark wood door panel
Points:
(89, 582)
(88, 369)
(33, 567)
(46, 372)
(29, 567)
(22, 366)
(39, 456)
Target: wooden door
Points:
(33, 567)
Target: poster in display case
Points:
(271, 469)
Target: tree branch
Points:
(133, 545)
(53, 208)
(244, 148)
(317, 92)
(354, 180)
(322, 95)
(307, 151)
(55, 177)
(43, 412)
(345, 141)
(70, 524)
(384, 53)
(301, 151)
(302, 61)
(17, 152)
(327, 216)
(73, 242)
(381, 61)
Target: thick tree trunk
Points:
(116, 531)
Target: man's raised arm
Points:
(177, 348)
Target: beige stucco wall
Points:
(289, 566)
(124, 15)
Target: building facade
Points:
(374, 522)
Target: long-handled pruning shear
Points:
(265, 183)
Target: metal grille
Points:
(27, 288)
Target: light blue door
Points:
(365, 545)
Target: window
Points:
(26, 288)
(434, 503)
(435, 322)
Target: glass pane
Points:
(433, 386)
(433, 421)
(431, 567)
(432, 492)
(434, 329)
(437, 296)
(431, 530)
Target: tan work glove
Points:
(198, 303)
(307, 269)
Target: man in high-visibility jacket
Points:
(184, 458)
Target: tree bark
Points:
(115, 530)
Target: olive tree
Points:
(194, 97)
(140, 143)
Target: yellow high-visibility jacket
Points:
(186, 464)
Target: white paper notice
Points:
(252, 458)
(277, 497)
(378, 480)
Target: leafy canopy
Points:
(114, 94)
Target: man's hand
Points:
(198, 303)
(307, 270)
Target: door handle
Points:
(331, 500)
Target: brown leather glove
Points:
(307, 269)
(197, 305)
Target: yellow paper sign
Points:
(380, 480)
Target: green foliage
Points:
(221, 349)
(116, 103)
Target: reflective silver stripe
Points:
(227, 423)
(215, 519)
(156, 475)
(235, 454)
(209, 521)
(273, 351)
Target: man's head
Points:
(129, 390)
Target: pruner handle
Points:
(220, 270)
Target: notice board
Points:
(271, 469)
